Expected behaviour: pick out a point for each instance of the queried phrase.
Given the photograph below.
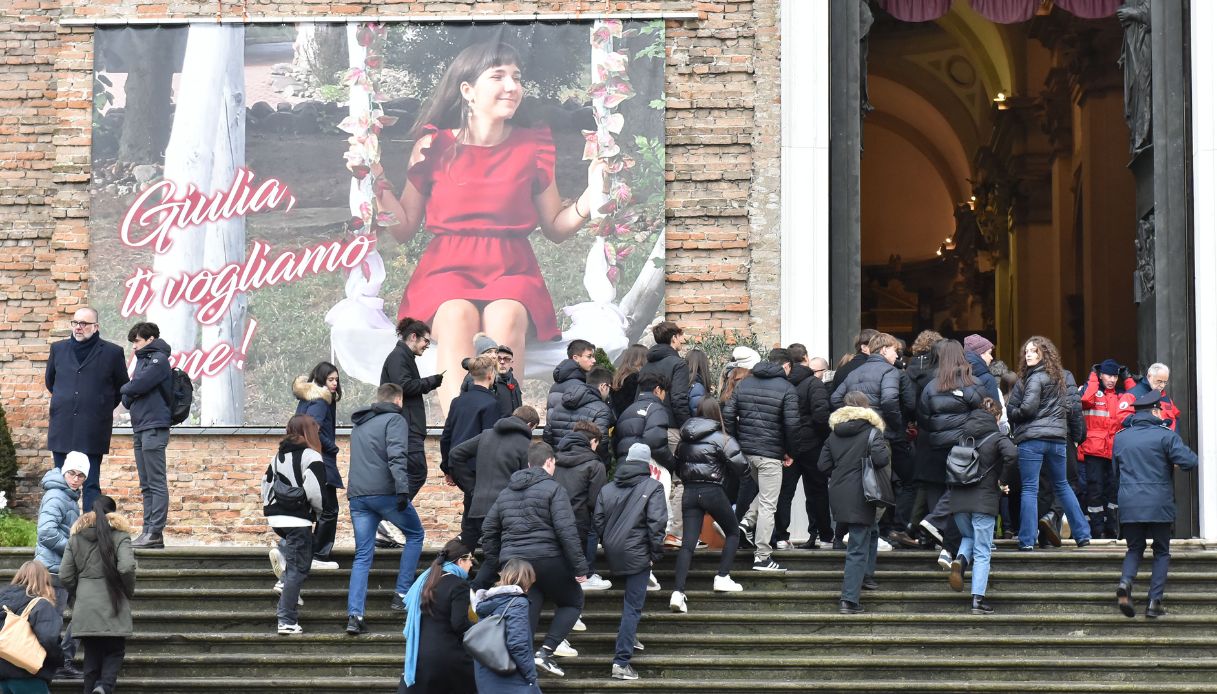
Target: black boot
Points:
(979, 606)
(149, 541)
(1124, 599)
(1156, 609)
(848, 607)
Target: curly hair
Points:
(925, 341)
(1050, 359)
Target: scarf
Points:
(414, 617)
(83, 347)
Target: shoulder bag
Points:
(876, 485)
(963, 462)
(18, 644)
(486, 641)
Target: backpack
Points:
(180, 396)
(289, 498)
(963, 462)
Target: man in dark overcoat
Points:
(84, 374)
(1144, 456)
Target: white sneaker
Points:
(319, 565)
(784, 544)
(290, 629)
(279, 591)
(594, 582)
(579, 625)
(276, 562)
(884, 545)
(678, 603)
(652, 583)
(724, 584)
(944, 560)
(934, 532)
(565, 650)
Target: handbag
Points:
(18, 644)
(876, 486)
(486, 641)
(963, 462)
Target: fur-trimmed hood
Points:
(88, 520)
(848, 413)
(306, 390)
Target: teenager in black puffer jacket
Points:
(705, 458)
(1040, 409)
(975, 506)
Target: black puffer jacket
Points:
(706, 454)
(630, 518)
(842, 456)
(1039, 409)
(921, 370)
(941, 415)
(763, 413)
(570, 400)
(532, 519)
(500, 453)
(506, 391)
(998, 462)
(149, 392)
(813, 412)
(880, 382)
(646, 421)
(46, 622)
(662, 359)
(581, 473)
(847, 368)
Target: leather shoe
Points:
(1156, 609)
(869, 583)
(68, 672)
(149, 541)
(1124, 599)
(1048, 531)
(848, 607)
(979, 606)
(903, 539)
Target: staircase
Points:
(205, 621)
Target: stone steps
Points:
(205, 622)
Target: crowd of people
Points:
(918, 449)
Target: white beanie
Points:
(76, 461)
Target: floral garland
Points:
(609, 88)
(364, 124)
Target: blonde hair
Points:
(481, 367)
(36, 580)
(517, 572)
(878, 342)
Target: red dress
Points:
(480, 209)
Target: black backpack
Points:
(180, 396)
(290, 499)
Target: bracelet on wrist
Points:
(581, 215)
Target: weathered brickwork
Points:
(723, 171)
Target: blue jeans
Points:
(1032, 455)
(627, 633)
(976, 546)
(366, 513)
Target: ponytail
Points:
(452, 551)
(109, 556)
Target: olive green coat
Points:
(81, 573)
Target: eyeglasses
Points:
(81, 324)
(74, 473)
(505, 360)
(818, 371)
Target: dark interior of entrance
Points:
(995, 191)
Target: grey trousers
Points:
(768, 475)
(297, 549)
(860, 554)
(150, 447)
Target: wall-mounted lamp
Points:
(1000, 100)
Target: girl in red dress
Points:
(482, 181)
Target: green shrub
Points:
(16, 531)
(8, 459)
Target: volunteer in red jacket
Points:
(1106, 402)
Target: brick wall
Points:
(722, 188)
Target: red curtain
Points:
(1000, 11)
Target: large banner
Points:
(276, 196)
